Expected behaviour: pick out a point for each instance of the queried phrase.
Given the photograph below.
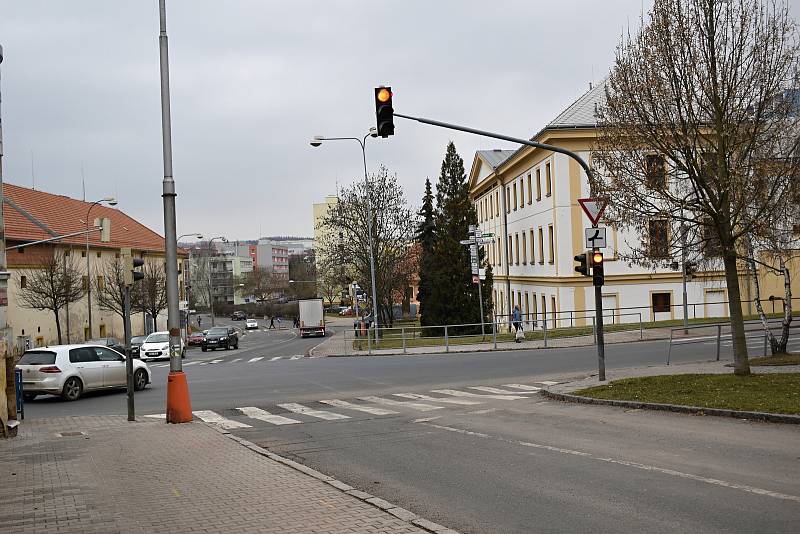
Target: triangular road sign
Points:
(593, 208)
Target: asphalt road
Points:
(495, 462)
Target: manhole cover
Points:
(70, 434)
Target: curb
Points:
(678, 408)
(398, 512)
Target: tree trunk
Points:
(58, 326)
(740, 361)
(787, 309)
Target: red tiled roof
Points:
(30, 215)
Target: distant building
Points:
(320, 211)
(227, 270)
(273, 256)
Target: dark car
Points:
(221, 337)
(238, 316)
(136, 342)
(110, 342)
(196, 338)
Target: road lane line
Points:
(257, 358)
(495, 390)
(405, 404)
(319, 414)
(350, 406)
(417, 396)
(275, 358)
(235, 360)
(214, 361)
(297, 356)
(157, 415)
(625, 463)
(216, 419)
(456, 393)
(263, 415)
(522, 386)
(190, 363)
(547, 382)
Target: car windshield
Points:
(38, 357)
(218, 331)
(138, 339)
(157, 338)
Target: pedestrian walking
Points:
(271, 323)
(516, 318)
(199, 321)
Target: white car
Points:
(71, 370)
(157, 346)
(251, 324)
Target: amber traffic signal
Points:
(598, 276)
(384, 112)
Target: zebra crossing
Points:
(293, 413)
(220, 361)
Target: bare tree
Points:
(262, 283)
(329, 284)
(152, 289)
(393, 225)
(51, 285)
(696, 115)
(109, 288)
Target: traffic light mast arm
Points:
(484, 133)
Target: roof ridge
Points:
(30, 217)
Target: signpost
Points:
(595, 237)
(475, 238)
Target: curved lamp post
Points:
(111, 201)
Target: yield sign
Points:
(593, 208)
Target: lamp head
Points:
(199, 236)
(317, 140)
(111, 201)
(373, 132)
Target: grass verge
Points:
(774, 393)
(777, 359)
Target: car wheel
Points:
(73, 388)
(27, 397)
(139, 380)
(204, 349)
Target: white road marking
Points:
(235, 360)
(522, 386)
(203, 363)
(216, 419)
(263, 415)
(214, 361)
(297, 356)
(320, 414)
(413, 405)
(495, 390)
(547, 382)
(157, 415)
(190, 363)
(275, 358)
(462, 402)
(350, 406)
(625, 463)
(257, 358)
(456, 393)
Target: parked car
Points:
(110, 342)
(238, 316)
(220, 337)
(346, 311)
(196, 339)
(251, 324)
(72, 370)
(157, 346)
(136, 343)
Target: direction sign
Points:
(467, 241)
(593, 208)
(595, 237)
(485, 240)
(478, 232)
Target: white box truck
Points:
(312, 318)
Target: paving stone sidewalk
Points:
(147, 476)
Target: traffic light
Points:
(384, 112)
(689, 268)
(129, 266)
(598, 277)
(583, 264)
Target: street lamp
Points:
(111, 201)
(373, 132)
(208, 272)
(188, 279)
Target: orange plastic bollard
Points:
(179, 405)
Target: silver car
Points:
(71, 370)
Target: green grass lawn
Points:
(778, 359)
(775, 393)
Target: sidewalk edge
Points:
(398, 512)
(678, 408)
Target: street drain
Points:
(70, 434)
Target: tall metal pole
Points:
(128, 359)
(88, 271)
(178, 404)
(369, 237)
(601, 347)
(4, 274)
(683, 279)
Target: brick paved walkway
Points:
(147, 477)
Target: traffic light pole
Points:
(128, 359)
(598, 291)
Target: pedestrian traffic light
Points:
(583, 264)
(689, 269)
(129, 266)
(598, 276)
(384, 112)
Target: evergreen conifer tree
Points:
(427, 240)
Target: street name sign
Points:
(593, 208)
(467, 241)
(595, 237)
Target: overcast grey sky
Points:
(252, 81)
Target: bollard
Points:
(446, 341)
(369, 341)
(494, 333)
(669, 353)
(719, 335)
(544, 328)
(641, 333)
(765, 343)
(403, 335)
